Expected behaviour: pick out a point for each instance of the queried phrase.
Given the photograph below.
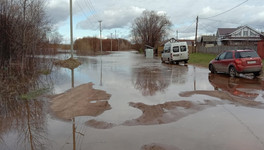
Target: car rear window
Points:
(246, 54)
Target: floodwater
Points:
(124, 101)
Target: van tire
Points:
(162, 60)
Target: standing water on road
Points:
(123, 101)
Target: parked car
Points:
(237, 61)
(175, 52)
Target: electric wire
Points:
(226, 10)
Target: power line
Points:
(226, 10)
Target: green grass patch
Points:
(34, 94)
(201, 59)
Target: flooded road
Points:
(123, 101)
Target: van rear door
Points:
(176, 53)
(183, 52)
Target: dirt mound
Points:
(99, 124)
(166, 113)
(80, 101)
(155, 146)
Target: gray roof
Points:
(225, 31)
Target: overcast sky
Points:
(117, 16)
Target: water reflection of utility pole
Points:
(194, 78)
(101, 73)
(73, 119)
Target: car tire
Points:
(232, 71)
(256, 73)
(162, 60)
(212, 69)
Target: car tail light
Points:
(238, 61)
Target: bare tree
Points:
(150, 28)
(23, 28)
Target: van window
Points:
(183, 48)
(166, 49)
(176, 49)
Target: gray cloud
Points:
(182, 13)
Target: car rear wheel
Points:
(256, 74)
(212, 69)
(232, 71)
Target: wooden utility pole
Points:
(196, 34)
(71, 28)
(101, 45)
(111, 41)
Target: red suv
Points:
(237, 61)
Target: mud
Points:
(155, 146)
(80, 101)
(99, 124)
(167, 112)
(224, 96)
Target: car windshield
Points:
(246, 54)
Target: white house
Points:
(243, 35)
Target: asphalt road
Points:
(148, 105)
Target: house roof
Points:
(225, 31)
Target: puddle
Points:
(124, 101)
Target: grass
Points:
(69, 63)
(33, 94)
(201, 59)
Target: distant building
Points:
(208, 41)
(243, 35)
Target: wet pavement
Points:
(124, 101)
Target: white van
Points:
(175, 52)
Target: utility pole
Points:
(101, 45)
(177, 34)
(71, 28)
(196, 34)
(111, 41)
(117, 41)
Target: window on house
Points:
(245, 33)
